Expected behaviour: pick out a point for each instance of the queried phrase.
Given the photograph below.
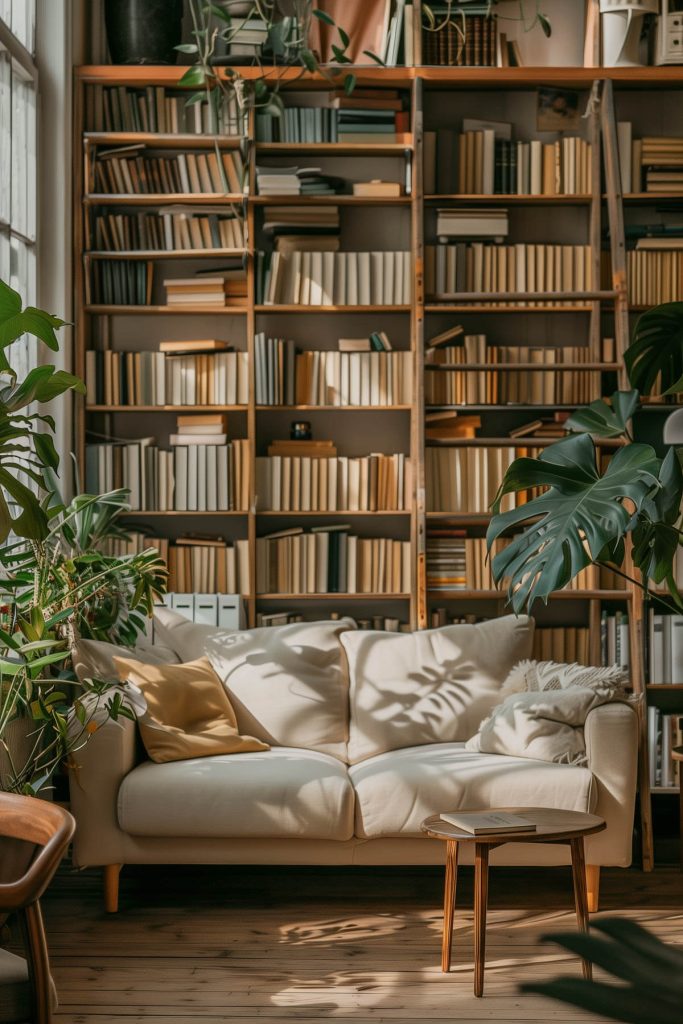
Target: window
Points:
(18, 160)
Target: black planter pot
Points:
(143, 31)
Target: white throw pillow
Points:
(432, 686)
(287, 684)
(534, 676)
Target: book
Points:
(193, 345)
(377, 188)
(481, 823)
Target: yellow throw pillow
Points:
(188, 711)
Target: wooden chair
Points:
(34, 837)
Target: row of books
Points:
(331, 117)
(285, 377)
(118, 172)
(519, 268)
(321, 483)
(665, 648)
(189, 478)
(614, 638)
(120, 108)
(335, 279)
(466, 480)
(164, 378)
(331, 560)
(566, 644)
(386, 623)
(163, 230)
(119, 282)
(664, 732)
(654, 277)
(460, 35)
(195, 564)
(481, 386)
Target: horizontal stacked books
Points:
(119, 282)
(655, 277)
(209, 429)
(466, 480)
(190, 478)
(182, 373)
(565, 644)
(297, 181)
(330, 560)
(529, 386)
(460, 34)
(454, 222)
(127, 171)
(524, 267)
(369, 115)
(662, 160)
(458, 562)
(384, 622)
(117, 108)
(227, 289)
(161, 231)
(284, 377)
(488, 164)
(301, 228)
(322, 482)
(336, 279)
(203, 565)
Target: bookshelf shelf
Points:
(335, 148)
(336, 514)
(334, 597)
(511, 199)
(514, 442)
(481, 307)
(667, 697)
(165, 254)
(159, 140)
(533, 367)
(155, 513)
(162, 199)
(185, 310)
(331, 309)
(166, 408)
(558, 595)
(334, 408)
(338, 200)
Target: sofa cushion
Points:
(277, 794)
(287, 684)
(396, 791)
(433, 686)
(188, 712)
(94, 659)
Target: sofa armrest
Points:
(611, 733)
(94, 781)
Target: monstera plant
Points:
(585, 512)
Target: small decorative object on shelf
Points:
(621, 30)
(143, 31)
(669, 45)
(300, 430)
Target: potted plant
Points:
(57, 581)
(143, 31)
(585, 514)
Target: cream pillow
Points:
(432, 686)
(188, 713)
(535, 676)
(287, 684)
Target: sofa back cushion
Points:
(94, 659)
(287, 684)
(433, 686)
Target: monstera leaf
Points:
(605, 419)
(579, 515)
(656, 537)
(657, 348)
(650, 974)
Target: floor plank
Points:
(242, 945)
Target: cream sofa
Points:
(367, 734)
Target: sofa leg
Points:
(111, 887)
(593, 887)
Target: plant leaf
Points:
(571, 523)
(657, 348)
(323, 16)
(605, 419)
(545, 25)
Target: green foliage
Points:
(606, 419)
(580, 513)
(655, 357)
(649, 974)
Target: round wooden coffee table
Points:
(552, 826)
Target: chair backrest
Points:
(32, 825)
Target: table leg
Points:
(581, 895)
(481, 895)
(449, 904)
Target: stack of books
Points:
(335, 278)
(119, 282)
(299, 228)
(118, 108)
(206, 428)
(660, 160)
(452, 222)
(524, 267)
(466, 480)
(182, 373)
(322, 482)
(163, 231)
(129, 170)
(297, 181)
(331, 560)
(549, 427)
(247, 35)
(189, 478)
(447, 425)
(458, 562)
(226, 289)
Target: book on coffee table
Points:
(480, 823)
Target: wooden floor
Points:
(237, 945)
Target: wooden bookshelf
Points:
(437, 98)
